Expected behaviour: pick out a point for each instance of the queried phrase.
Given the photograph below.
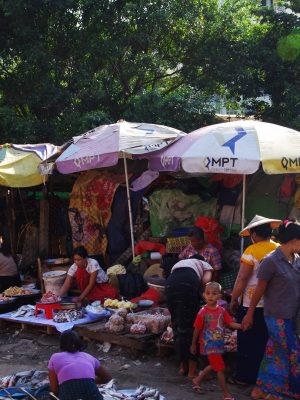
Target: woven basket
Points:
(177, 244)
(227, 279)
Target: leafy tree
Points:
(67, 66)
(65, 60)
(278, 62)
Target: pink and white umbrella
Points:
(102, 146)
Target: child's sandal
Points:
(198, 389)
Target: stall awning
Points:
(19, 163)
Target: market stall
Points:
(30, 307)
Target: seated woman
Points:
(206, 250)
(183, 293)
(90, 277)
(72, 372)
(9, 275)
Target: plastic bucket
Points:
(54, 280)
(161, 289)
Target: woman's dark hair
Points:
(289, 230)
(197, 257)
(5, 249)
(70, 341)
(80, 251)
(196, 232)
(264, 230)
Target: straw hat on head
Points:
(259, 220)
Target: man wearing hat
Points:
(251, 344)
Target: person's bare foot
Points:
(195, 381)
(183, 369)
(257, 394)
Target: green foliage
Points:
(67, 66)
(184, 109)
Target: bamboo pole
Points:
(129, 205)
(243, 211)
(44, 224)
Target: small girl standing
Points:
(209, 328)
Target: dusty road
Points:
(24, 351)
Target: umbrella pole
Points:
(243, 211)
(129, 205)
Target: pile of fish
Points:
(110, 392)
(68, 315)
(24, 311)
(33, 378)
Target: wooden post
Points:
(11, 219)
(44, 224)
(40, 274)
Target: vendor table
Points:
(40, 321)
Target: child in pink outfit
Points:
(209, 328)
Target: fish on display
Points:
(110, 392)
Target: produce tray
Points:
(35, 292)
(97, 331)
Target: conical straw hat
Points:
(259, 220)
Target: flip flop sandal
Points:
(198, 389)
(228, 398)
(263, 396)
(233, 381)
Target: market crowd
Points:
(264, 305)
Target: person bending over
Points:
(72, 372)
(207, 251)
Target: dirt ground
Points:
(20, 351)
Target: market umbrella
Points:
(19, 163)
(102, 147)
(237, 147)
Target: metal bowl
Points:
(68, 306)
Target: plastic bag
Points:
(212, 230)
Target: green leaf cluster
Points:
(67, 66)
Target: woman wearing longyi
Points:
(279, 283)
(251, 343)
(90, 277)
